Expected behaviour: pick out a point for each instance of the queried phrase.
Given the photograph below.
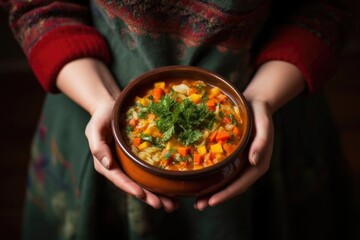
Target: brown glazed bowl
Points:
(192, 183)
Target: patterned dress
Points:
(303, 196)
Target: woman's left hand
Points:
(259, 156)
(274, 84)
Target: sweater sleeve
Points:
(308, 36)
(53, 33)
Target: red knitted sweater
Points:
(54, 33)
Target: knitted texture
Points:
(62, 45)
(302, 48)
(54, 33)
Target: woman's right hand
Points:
(89, 83)
(98, 133)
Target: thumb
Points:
(99, 145)
(263, 133)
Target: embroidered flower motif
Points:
(194, 22)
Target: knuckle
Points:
(97, 165)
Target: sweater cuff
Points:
(303, 49)
(62, 45)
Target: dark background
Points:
(22, 97)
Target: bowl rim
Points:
(120, 141)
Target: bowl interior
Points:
(138, 86)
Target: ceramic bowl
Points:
(192, 183)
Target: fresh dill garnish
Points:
(183, 120)
(188, 137)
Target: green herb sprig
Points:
(183, 120)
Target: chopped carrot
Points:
(212, 156)
(157, 94)
(192, 90)
(133, 122)
(222, 136)
(183, 151)
(211, 104)
(229, 147)
(156, 133)
(136, 141)
(236, 131)
(226, 120)
(197, 159)
(221, 97)
(212, 136)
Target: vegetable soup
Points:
(183, 125)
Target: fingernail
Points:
(255, 159)
(200, 209)
(105, 162)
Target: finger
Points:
(169, 204)
(248, 177)
(201, 203)
(99, 146)
(263, 134)
(120, 179)
(152, 200)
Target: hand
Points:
(274, 84)
(96, 91)
(259, 156)
(98, 132)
